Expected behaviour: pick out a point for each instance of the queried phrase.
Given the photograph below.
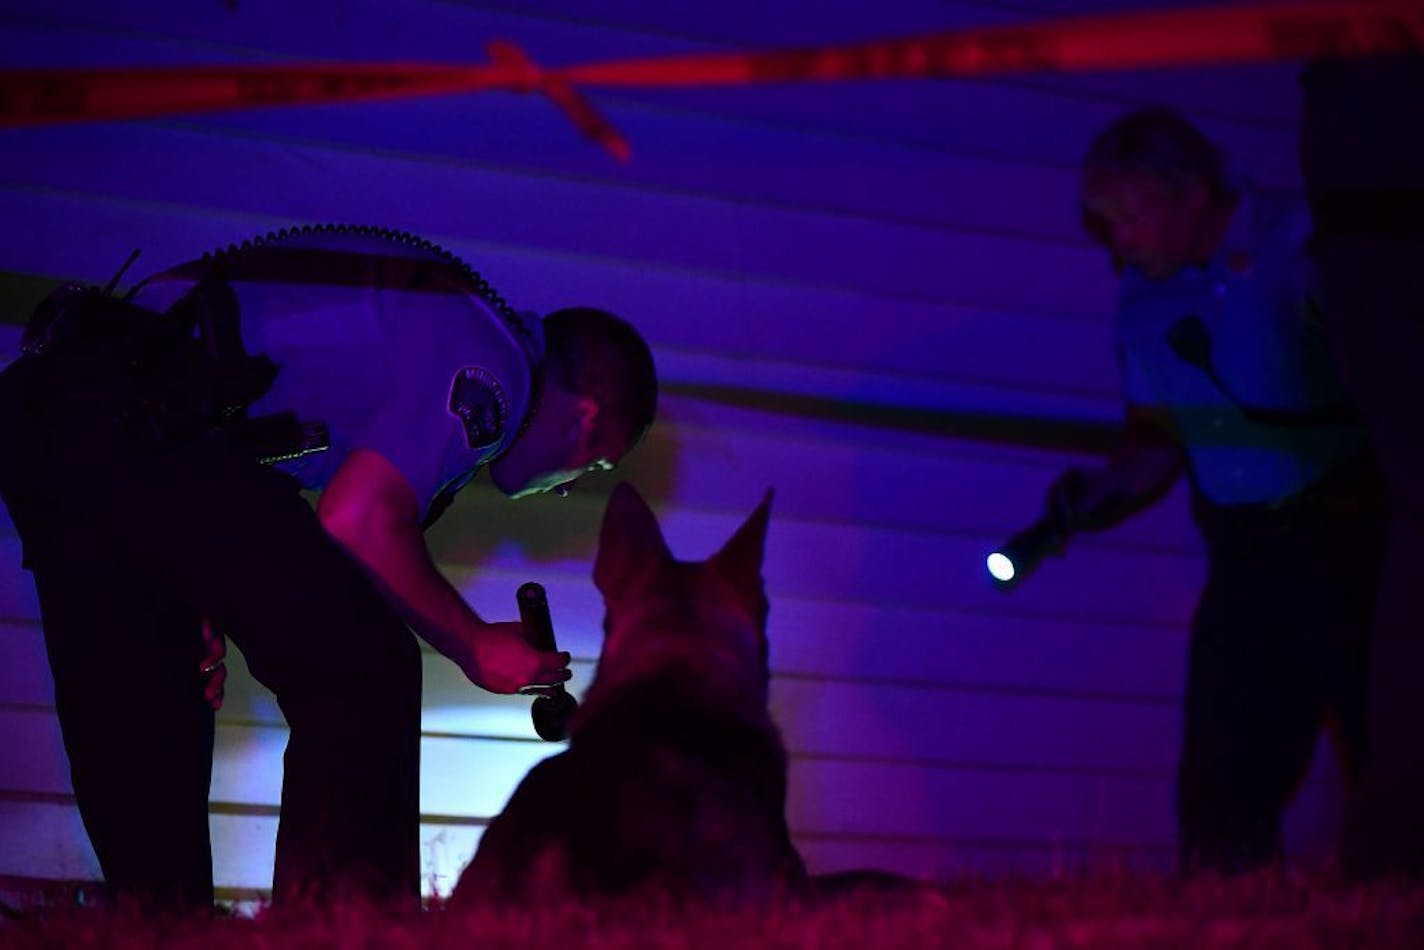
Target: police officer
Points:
(1226, 378)
(155, 449)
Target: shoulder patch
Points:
(479, 402)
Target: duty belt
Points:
(188, 365)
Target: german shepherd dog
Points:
(673, 786)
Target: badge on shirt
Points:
(479, 402)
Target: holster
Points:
(183, 371)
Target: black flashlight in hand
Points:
(1016, 558)
(551, 712)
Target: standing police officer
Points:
(1226, 376)
(155, 449)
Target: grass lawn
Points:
(1270, 909)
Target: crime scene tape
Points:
(1179, 37)
(1206, 35)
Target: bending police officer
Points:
(368, 365)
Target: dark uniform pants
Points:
(131, 546)
(1279, 646)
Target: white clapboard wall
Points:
(872, 296)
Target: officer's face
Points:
(1147, 222)
(561, 444)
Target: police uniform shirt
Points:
(1266, 346)
(387, 342)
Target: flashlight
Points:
(1016, 558)
(551, 712)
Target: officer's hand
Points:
(504, 662)
(1079, 496)
(212, 668)
(1065, 495)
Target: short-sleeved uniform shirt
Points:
(377, 335)
(1256, 300)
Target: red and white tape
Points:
(1208, 35)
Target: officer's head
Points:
(1152, 189)
(600, 392)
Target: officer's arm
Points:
(371, 510)
(1144, 464)
(1150, 455)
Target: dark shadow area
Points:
(20, 293)
(1069, 435)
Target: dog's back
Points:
(674, 782)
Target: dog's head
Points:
(663, 613)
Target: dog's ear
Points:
(630, 541)
(739, 561)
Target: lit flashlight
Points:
(1016, 558)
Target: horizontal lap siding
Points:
(972, 725)
(834, 561)
(45, 839)
(873, 297)
(905, 806)
(732, 244)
